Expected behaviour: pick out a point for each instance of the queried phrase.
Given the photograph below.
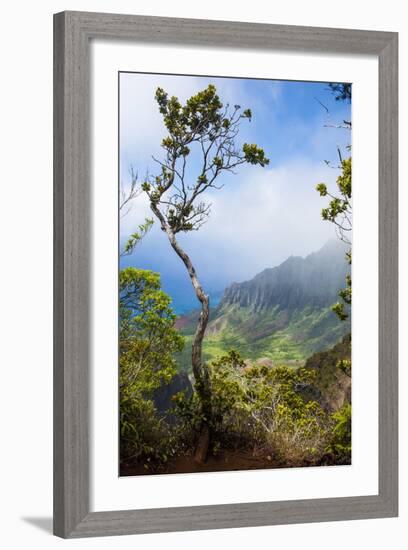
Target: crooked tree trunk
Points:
(200, 369)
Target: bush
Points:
(261, 408)
(340, 443)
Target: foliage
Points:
(339, 210)
(339, 308)
(262, 408)
(345, 366)
(342, 92)
(205, 124)
(137, 236)
(148, 342)
(340, 444)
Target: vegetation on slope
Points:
(283, 337)
(333, 368)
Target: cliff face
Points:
(332, 385)
(297, 283)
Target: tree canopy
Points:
(206, 124)
(148, 342)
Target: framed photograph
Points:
(225, 274)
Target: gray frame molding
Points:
(72, 33)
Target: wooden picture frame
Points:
(72, 34)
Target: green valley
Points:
(281, 316)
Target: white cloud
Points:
(267, 216)
(257, 220)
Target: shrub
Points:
(261, 408)
(340, 442)
(148, 342)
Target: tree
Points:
(341, 91)
(147, 344)
(205, 130)
(339, 210)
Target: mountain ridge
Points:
(295, 283)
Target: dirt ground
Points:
(225, 461)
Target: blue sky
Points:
(262, 215)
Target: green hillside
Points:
(281, 336)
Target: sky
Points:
(261, 216)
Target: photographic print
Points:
(234, 299)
